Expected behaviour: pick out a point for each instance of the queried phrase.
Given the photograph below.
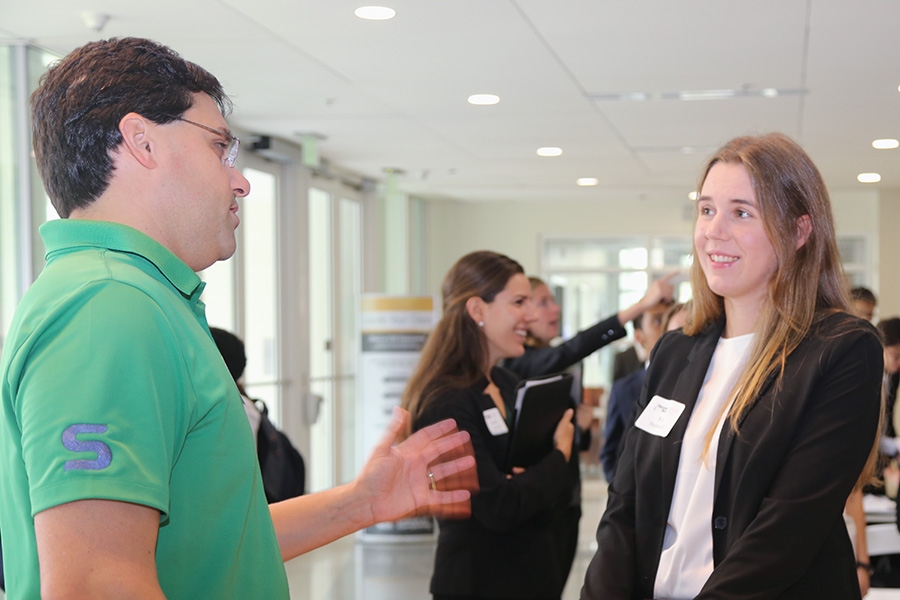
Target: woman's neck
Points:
(741, 317)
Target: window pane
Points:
(592, 254)
(10, 269)
(260, 259)
(321, 327)
(218, 295)
(351, 289)
(670, 254)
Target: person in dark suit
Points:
(760, 416)
(507, 548)
(540, 358)
(627, 362)
(626, 391)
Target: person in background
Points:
(676, 316)
(232, 350)
(126, 463)
(864, 303)
(508, 548)
(540, 358)
(280, 463)
(628, 361)
(760, 416)
(890, 333)
(626, 392)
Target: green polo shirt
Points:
(112, 388)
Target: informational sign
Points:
(394, 330)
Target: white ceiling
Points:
(392, 94)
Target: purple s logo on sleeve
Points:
(71, 442)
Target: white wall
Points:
(516, 228)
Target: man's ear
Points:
(804, 228)
(138, 139)
(475, 308)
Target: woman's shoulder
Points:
(836, 332)
(836, 326)
(448, 402)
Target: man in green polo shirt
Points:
(126, 463)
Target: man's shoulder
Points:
(636, 378)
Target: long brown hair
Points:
(808, 282)
(456, 353)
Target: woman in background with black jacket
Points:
(506, 549)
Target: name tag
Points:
(495, 422)
(660, 416)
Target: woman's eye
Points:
(742, 213)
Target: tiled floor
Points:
(348, 570)
(351, 570)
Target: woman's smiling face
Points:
(730, 240)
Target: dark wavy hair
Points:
(80, 101)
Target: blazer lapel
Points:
(687, 388)
(727, 437)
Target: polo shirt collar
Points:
(66, 234)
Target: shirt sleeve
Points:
(97, 401)
(543, 361)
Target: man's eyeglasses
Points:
(234, 143)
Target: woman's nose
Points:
(715, 227)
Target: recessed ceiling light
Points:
(375, 13)
(484, 99)
(885, 144)
(693, 196)
(587, 181)
(549, 151)
(689, 95)
(707, 95)
(868, 178)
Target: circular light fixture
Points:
(587, 181)
(549, 151)
(769, 92)
(693, 195)
(868, 178)
(885, 144)
(484, 99)
(375, 13)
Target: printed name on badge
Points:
(660, 416)
(495, 422)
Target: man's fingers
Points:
(457, 471)
(435, 431)
(455, 444)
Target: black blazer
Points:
(780, 484)
(507, 549)
(623, 398)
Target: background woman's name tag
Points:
(660, 416)
(495, 422)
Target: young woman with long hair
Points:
(760, 416)
(506, 549)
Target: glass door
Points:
(335, 282)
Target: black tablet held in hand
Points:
(540, 404)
